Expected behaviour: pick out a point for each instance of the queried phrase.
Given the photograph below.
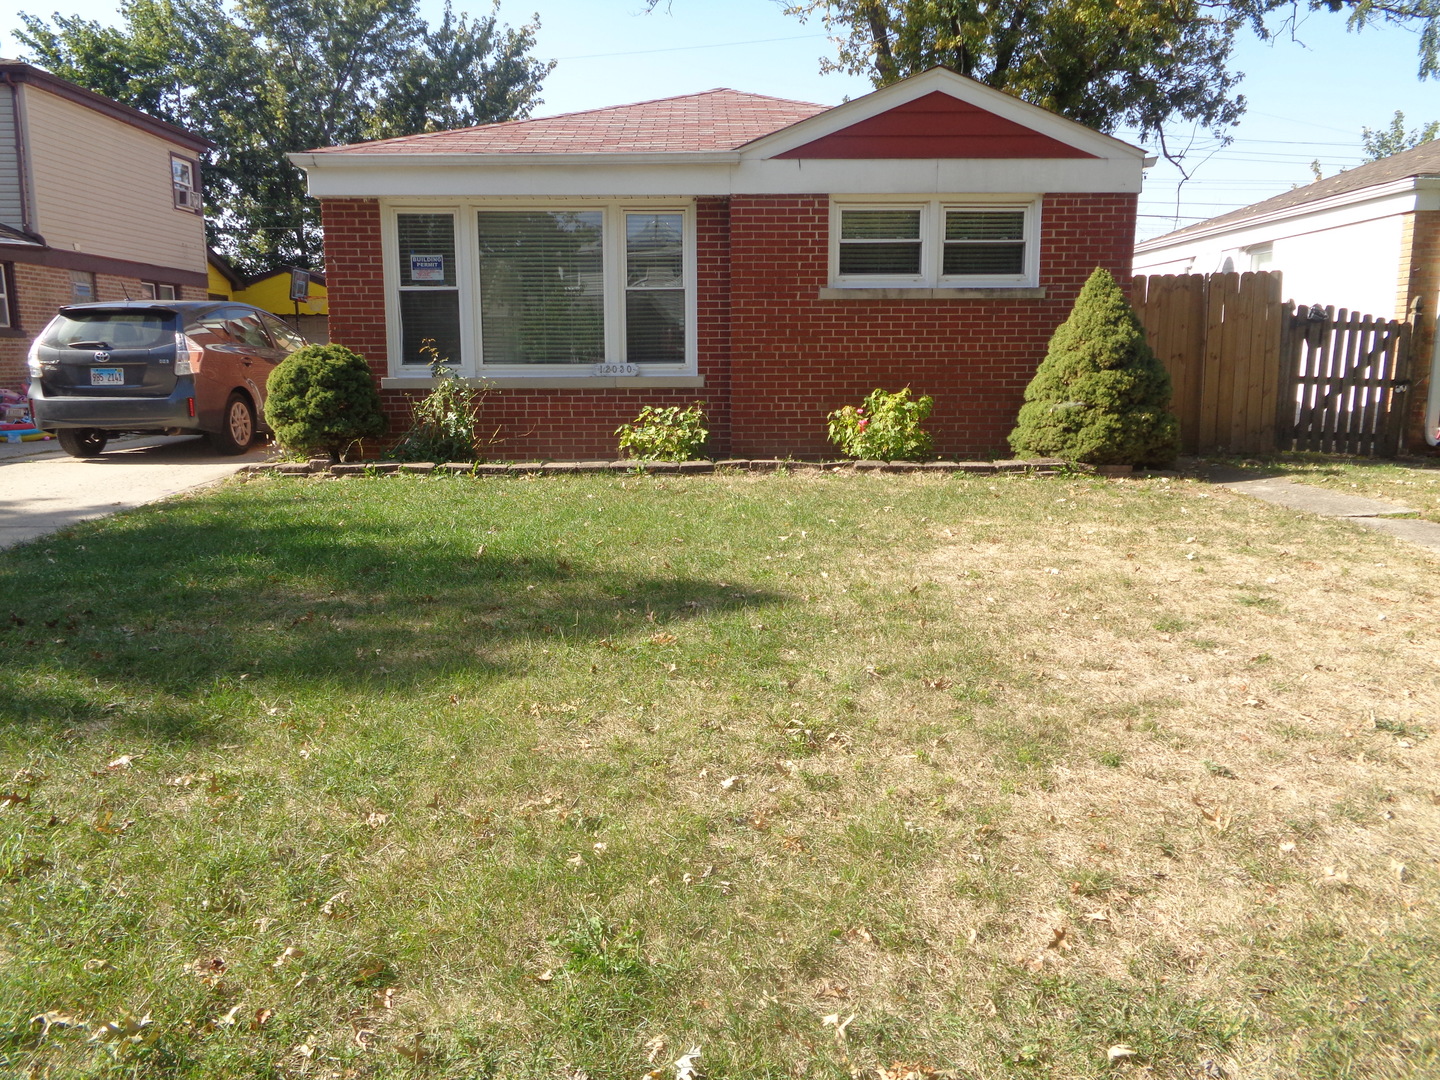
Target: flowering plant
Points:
(885, 428)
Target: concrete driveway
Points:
(42, 489)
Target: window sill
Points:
(563, 382)
(943, 293)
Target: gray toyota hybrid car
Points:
(172, 367)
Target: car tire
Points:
(238, 431)
(82, 442)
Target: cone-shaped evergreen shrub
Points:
(1100, 396)
(323, 398)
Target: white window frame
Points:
(932, 242)
(467, 277)
(185, 183)
(6, 322)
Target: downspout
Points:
(22, 162)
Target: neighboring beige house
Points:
(97, 202)
(1367, 240)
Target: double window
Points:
(155, 290)
(935, 243)
(588, 289)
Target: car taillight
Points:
(187, 355)
(32, 360)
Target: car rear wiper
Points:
(91, 345)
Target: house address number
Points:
(616, 369)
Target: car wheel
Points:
(239, 426)
(82, 442)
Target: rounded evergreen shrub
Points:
(323, 398)
(1100, 396)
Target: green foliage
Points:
(444, 419)
(885, 428)
(1386, 142)
(1100, 395)
(670, 434)
(1108, 65)
(323, 398)
(263, 78)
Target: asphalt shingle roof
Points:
(1422, 160)
(713, 120)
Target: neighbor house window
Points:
(154, 290)
(7, 295)
(935, 243)
(185, 181)
(429, 288)
(1261, 256)
(596, 288)
(82, 286)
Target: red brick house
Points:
(773, 258)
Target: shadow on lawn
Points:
(177, 611)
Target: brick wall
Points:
(1420, 280)
(40, 291)
(775, 357)
(796, 357)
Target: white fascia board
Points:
(1362, 204)
(917, 86)
(412, 179)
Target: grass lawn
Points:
(1413, 482)
(825, 775)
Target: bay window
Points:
(582, 290)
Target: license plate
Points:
(107, 376)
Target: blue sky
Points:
(1308, 97)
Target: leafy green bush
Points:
(323, 398)
(443, 428)
(885, 428)
(1100, 396)
(670, 434)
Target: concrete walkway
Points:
(42, 489)
(1371, 513)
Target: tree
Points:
(1385, 142)
(1100, 395)
(263, 78)
(1139, 64)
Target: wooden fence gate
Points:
(1253, 375)
(1349, 377)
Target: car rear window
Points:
(112, 329)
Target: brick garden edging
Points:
(320, 466)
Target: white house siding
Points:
(85, 165)
(1346, 256)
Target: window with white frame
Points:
(568, 290)
(429, 288)
(7, 319)
(185, 181)
(155, 290)
(956, 243)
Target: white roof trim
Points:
(358, 160)
(958, 86)
(1315, 206)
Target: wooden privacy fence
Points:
(1350, 374)
(1220, 338)
(1253, 374)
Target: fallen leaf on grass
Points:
(833, 1020)
(413, 1050)
(860, 934)
(376, 820)
(98, 964)
(1334, 876)
(11, 798)
(127, 1028)
(1059, 938)
(729, 782)
(291, 953)
(124, 761)
(831, 989)
(106, 824)
(685, 1065)
(334, 907)
(54, 1018)
(654, 1048)
(545, 976)
(261, 1018)
(909, 1070)
(1399, 869)
(1119, 1052)
(228, 1020)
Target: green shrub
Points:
(1100, 396)
(323, 398)
(885, 428)
(670, 434)
(444, 420)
